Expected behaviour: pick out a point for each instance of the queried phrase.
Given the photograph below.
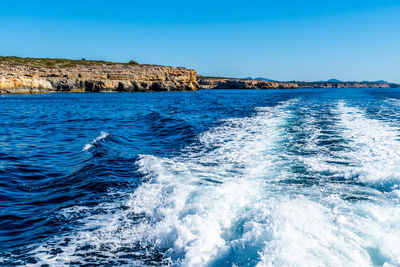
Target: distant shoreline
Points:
(42, 75)
(232, 83)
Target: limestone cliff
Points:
(226, 83)
(59, 75)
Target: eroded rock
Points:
(95, 78)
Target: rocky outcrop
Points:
(223, 83)
(27, 78)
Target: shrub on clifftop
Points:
(133, 62)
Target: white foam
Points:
(374, 146)
(318, 226)
(393, 101)
(190, 202)
(194, 214)
(97, 139)
(224, 201)
(331, 232)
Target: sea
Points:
(304, 177)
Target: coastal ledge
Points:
(232, 83)
(347, 85)
(34, 75)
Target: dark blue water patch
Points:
(169, 130)
(32, 213)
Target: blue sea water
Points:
(307, 177)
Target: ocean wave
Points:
(225, 200)
(190, 202)
(325, 222)
(393, 101)
(374, 147)
(92, 144)
(167, 126)
(195, 199)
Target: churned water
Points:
(210, 178)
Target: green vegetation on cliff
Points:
(56, 62)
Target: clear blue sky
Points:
(283, 40)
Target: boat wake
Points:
(374, 147)
(294, 183)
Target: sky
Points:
(282, 40)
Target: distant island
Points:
(44, 75)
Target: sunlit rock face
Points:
(28, 78)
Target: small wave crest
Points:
(92, 144)
(393, 101)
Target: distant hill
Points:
(334, 81)
(330, 81)
(259, 79)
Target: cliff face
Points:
(216, 83)
(30, 78)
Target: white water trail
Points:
(195, 200)
(225, 201)
(190, 205)
(375, 147)
(319, 225)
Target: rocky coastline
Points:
(346, 85)
(40, 75)
(226, 83)
(58, 75)
(231, 83)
